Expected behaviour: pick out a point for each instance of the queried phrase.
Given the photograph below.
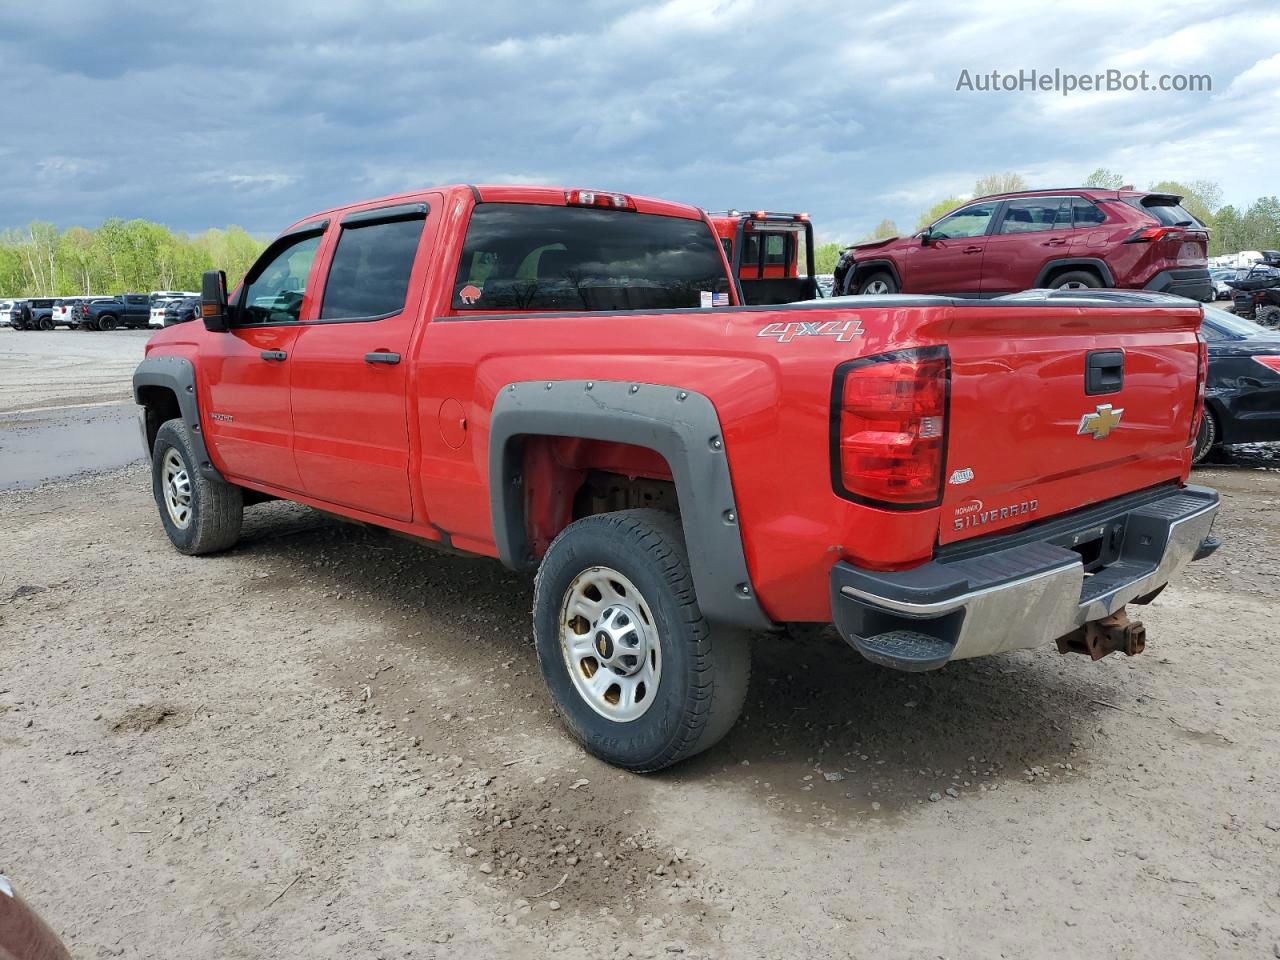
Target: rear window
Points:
(1165, 213)
(775, 249)
(369, 276)
(531, 257)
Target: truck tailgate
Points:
(1029, 438)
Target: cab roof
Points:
(500, 193)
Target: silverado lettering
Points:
(517, 372)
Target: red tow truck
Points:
(569, 381)
(771, 254)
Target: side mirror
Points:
(925, 236)
(213, 301)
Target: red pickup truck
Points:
(565, 380)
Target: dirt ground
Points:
(334, 743)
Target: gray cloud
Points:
(258, 113)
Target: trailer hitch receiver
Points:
(1097, 638)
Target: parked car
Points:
(160, 300)
(64, 311)
(1218, 277)
(530, 374)
(180, 311)
(1075, 237)
(20, 315)
(6, 312)
(765, 250)
(41, 317)
(1242, 393)
(107, 313)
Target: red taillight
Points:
(594, 198)
(1271, 363)
(889, 428)
(1202, 374)
(1155, 234)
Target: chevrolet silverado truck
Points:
(545, 376)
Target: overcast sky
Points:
(257, 113)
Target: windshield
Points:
(534, 257)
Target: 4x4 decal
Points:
(842, 330)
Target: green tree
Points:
(1104, 179)
(1199, 197)
(825, 257)
(939, 209)
(884, 229)
(998, 183)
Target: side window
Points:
(274, 288)
(1034, 214)
(369, 276)
(969, 222)
(1086, 214)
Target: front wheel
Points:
(639, 677)
(877, 284)
(199, 515)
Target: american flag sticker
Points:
(719, 299)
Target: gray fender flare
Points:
(681, 425)
(178, 375)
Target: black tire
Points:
(46, 323)
(876, 280)
(106, 322)
(1075, 279)
(1206, 437)
(216, 509)
(705, 670)
(1268, 316)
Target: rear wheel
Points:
(46, 323)
(1269, 316)
(106, 322)
(199, 515)
(1206, 437)
(639, 677)
(1075, 280)
(881, 282)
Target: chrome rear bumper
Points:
(1024, 591)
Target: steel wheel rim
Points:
(877, 287)
(176, 487)
(609, 641)
(1074, 285)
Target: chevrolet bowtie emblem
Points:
(1100, 423)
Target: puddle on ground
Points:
(50, 445)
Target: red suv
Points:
(1075, 237)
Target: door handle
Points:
(1056, 242)
(381, 356)
(276, 355)
(974, 249)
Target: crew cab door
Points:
(951, 262)
(1028, 234)
(351, 366)
(246, 370)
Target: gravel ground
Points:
(331, 742)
